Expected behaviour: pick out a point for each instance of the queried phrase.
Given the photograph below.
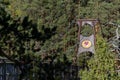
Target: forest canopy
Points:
(45, 33)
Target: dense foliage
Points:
(42, 34)
(102, 65)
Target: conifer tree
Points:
(58, 33)
(101, 65)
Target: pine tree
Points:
(58, 32)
